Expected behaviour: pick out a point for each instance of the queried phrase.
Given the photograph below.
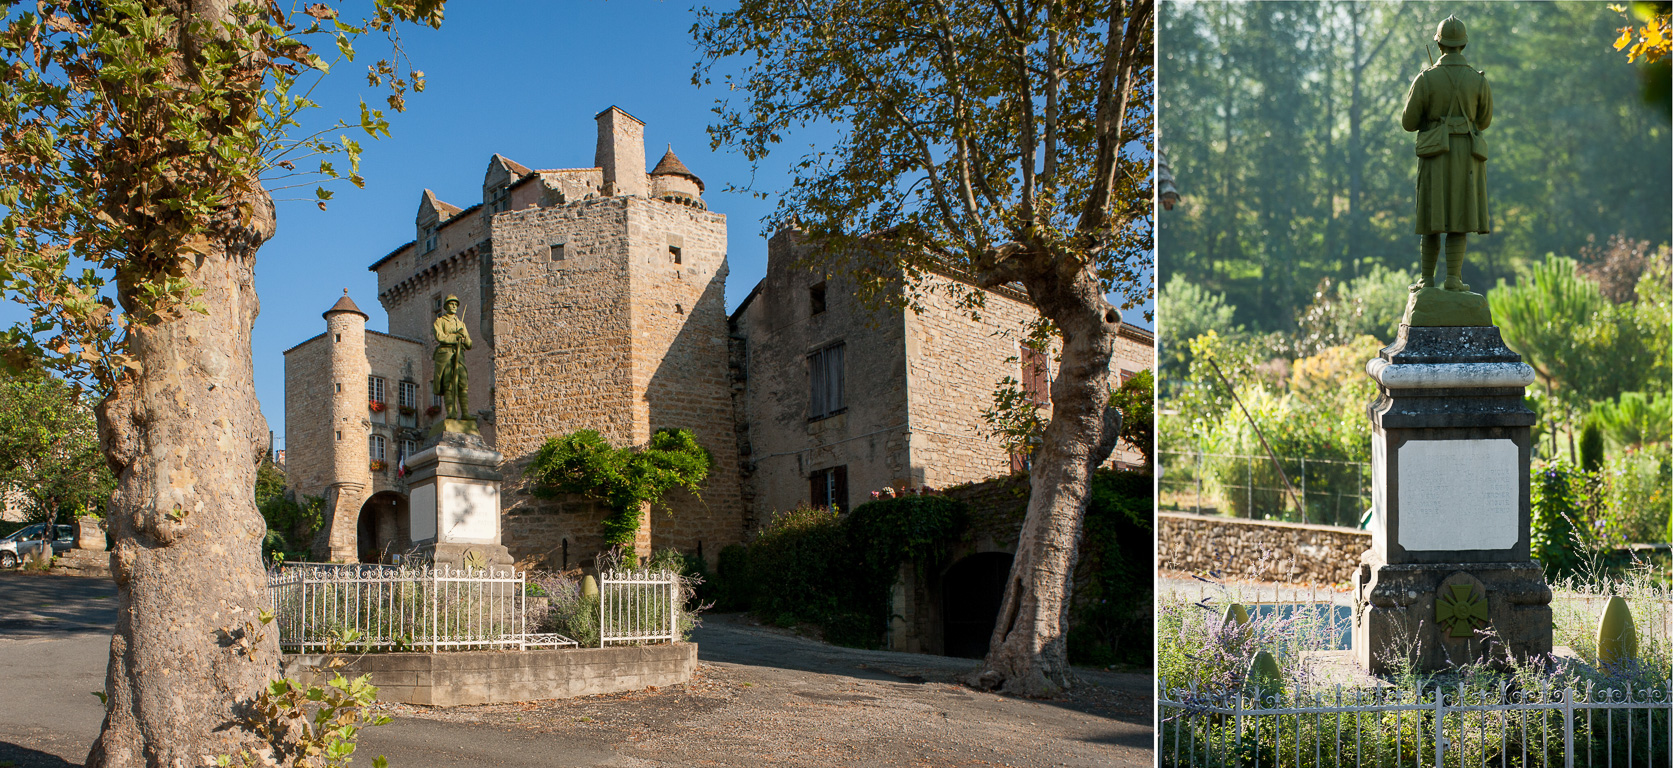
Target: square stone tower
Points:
(596, 300)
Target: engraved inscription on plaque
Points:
(1458, 494)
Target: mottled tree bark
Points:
(184, 436)
(1028, 654)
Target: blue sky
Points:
(516, 77)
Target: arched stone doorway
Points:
(382, 529)
(971, 591)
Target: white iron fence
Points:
(638, 607)
(1441, 727)
(322, 607)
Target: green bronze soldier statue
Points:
(451, 381)
(1449, 105)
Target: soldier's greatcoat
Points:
(1451, 186)
(451, 342)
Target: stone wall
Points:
(601, 329)
(680, 361)
(1264, 550)
(308, 430)
(953, 364)
(460, 678)
(778, 330)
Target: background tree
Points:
(49, 449)
(1280, 122)
(1009, 141)
(139, 135)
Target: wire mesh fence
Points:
(1443, 726)
(1325, 491)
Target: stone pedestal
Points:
(1448, 576)
(454, 502)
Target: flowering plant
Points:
(376, 406)
(379, 465)
(432, 411)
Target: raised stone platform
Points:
(462, 678)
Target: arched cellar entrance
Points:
(971, 592)
(382, 529)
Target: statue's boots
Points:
(1430, 247)
(1455, 262)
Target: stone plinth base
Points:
(454, 502)
(83, 562)
(1446, 614)
(1432, 307)
(458, 678)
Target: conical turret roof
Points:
(670, 165)
(344, 304)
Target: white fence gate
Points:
(638, 607)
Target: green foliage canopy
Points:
(120, 157)
(49, 448)
(625, 479)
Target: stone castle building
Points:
(595, 298)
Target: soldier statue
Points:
(451, 381)
(1448, 106)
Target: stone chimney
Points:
(621, 153)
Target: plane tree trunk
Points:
(184, 437)
(1028, 654)
(183, 433)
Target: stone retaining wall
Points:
(1266, 550)
(490, 677)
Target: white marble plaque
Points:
(1458, 494)
(422, 512)
(470, 511)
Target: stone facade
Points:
(595, 298)
(1267, 550)
(338, 374)
(914, 383)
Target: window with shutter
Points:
(825, 379)
(829, 488)
(1036, 375)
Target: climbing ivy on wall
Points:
(627, 480)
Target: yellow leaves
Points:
(1654, 39)
(321, 11)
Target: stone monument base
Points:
(1439, 307)
(454, 501)
(1441, 615)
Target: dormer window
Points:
(430, 238)
(499, 198)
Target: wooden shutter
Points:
(1036, 375)
(839, 496)
(816, 377)
(833, 376)
(816, 489)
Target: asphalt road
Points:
(762, 697)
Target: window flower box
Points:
(379, 465)
(433, 411)
(407, 410)
(377, 406)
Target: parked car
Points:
(26, 540)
